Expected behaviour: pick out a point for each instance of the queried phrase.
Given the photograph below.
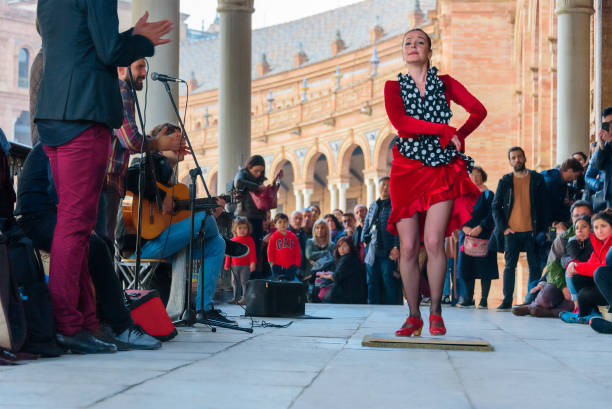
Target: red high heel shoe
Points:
(436, 325)
(412, 326)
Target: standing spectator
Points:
(383, 287)
(250, 179)
(578, 185)
(519, 210)
(284, 252)
(316, 212)
(307, 222)
(348, 221)
(348, 278)
(336, 229)
(481, 226)
(599, 172)
(241, 267)
(360, 212)
(296, 222)
(557, 183)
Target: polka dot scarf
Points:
(433, 108)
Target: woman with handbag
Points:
(431, 192)
(248, 180)
(476, 259)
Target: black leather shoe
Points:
(214, 315)
(463, 303)
(84, 342)
(234, 249)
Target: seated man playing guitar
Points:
(166, 228)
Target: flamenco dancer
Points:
(431, 192)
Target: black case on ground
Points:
(266, 298)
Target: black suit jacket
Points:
(81, 50)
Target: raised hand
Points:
(153, 31)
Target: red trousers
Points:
(78, 169)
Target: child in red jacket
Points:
(241, 267)
(284, 252)
(581, 274)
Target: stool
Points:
(126, 267)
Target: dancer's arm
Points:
(470, 103)
(405, 123)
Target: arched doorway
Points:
(286, 197)
(356, 192)
(320, 191)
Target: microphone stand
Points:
(187, 318)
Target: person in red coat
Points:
(284, 252)
(431, 192)
(241, 267)
(581, 274)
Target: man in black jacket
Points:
(519, 210)
(383, 249)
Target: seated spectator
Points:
(241, 267)
(480, 226)
(603, 279)
(319, 249)
(552, 294)
(37, 216)
(336, 229)
(580, 274)
(599, 173)
(349, 223)
(284, 254)
(348, 279)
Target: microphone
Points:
(164, 78)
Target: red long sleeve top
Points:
(284, 250)
(409, 127)
(597, 259)
(244, 260)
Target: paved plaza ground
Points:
(537, 363)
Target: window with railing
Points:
(24, 65)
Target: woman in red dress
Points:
(431, 192)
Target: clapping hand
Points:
(153, 31)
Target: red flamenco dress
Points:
(415, 187)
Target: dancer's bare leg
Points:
(436, 221)
(408, 230)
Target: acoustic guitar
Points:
(154, 222)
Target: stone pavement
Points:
(537, 363)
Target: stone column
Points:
(333, 197)
(234, 87)
(342, 188)
(307, 193)
(371, 190)
(165, 60)
(573, 76)
(299, 204)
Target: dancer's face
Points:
(415, 48)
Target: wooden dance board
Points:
(454, 343)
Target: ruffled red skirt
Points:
(416, 187)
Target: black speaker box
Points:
(266, 298)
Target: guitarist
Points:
(175, 238)
(127, 140)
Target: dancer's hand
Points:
(153, 31)
(455, 140)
